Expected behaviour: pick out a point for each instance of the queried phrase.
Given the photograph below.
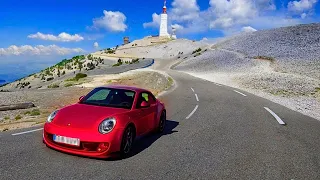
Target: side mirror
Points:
(144, 104)
(81, 97)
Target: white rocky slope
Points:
(282, 65)
(165, 50)
(295, 49)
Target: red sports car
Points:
(104, 122)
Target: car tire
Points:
(162, 122)
(127, 141)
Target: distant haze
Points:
(2, 81)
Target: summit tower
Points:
(164, 22)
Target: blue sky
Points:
(35, 34)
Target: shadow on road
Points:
(143, 143)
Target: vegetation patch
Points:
(34, 112)
(197, 50)
(109, 51)
(22, 85)
(264, 58)
(133, 61)
(68, 85)
(170, 80)
(53, 86)
(50, 78)
(78, 76)
(18, 117)
(6, 118)
(119, 63)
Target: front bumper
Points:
(92, 144)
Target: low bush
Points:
(197, 50)
(68, 85)
(80, 76)
(53, 86)
(77, 77)
(18, 117)
(135, 61)
(264, 58)
(34, 112)
(50, 78)
(119, 63)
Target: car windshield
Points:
(109, 97)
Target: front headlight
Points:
(107, 125)
(52, 116)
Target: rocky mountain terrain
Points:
(281, 64)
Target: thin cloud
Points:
(62, 37)
(38, 50)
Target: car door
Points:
(145, 115)
(141, 116)
(152, 112)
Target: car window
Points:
(118, 98)
(145, 96)
(99, 95)
(130, 94)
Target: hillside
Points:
(64, 73)
(281, 64)
(294, 48)
(155, 49)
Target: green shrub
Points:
(6, 118)
(119, 63)
(135, 61)
(68, 85)
(50, 78)
(53, 86)
(197, 50)
(18, 117)
(35, 112)
(91, 66)
(78, 76)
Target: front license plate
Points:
(66, 140)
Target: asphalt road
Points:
(213, 132)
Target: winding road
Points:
(213, 132)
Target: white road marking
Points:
(239, 93)
(275, 116)
(192, 89)
(27, 132)
(197, 97)
(217, 84)
(194, 110)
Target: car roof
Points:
(132, 88)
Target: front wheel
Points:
(162, 122)
(127, 141)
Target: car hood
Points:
(82, 116)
